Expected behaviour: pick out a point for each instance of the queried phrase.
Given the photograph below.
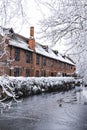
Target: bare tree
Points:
(68, 20)
(10, 13)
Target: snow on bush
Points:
(25, 86)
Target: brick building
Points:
(25, 57)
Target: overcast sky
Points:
(35, 13)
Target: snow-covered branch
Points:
(67, 21)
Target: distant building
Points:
(26, 57)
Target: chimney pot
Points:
(32, 32)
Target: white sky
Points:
(35, 13)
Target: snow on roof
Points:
(17, 42)
(64, 59)
(51, 54)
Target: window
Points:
(17, 54)
(63, 65)
(28, 57)
(37, 59)
(44, 61)
(59, 64)
(52, 63)
(52, 74)
(2, 49)
(16, 72)
(27, 72)
(37, 73)
(43, 73)
(67, 66)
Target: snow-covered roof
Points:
(19, 43)
(39, 49)
(51, 54)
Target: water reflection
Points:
(44, 112)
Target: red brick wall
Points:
(21, 63)
(52, 66)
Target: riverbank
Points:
(26, 86)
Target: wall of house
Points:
(38, 65)
(50, 67)
(21, 63)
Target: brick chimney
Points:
(31, 39)
(31, 31)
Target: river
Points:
(53, 111)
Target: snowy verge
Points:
(25, 86)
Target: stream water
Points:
(53, 111)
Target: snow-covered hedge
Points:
(25, 86)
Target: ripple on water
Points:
(45, 110)
(73, 115)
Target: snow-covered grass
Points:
(25, 86)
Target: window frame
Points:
(44, 61)
(16, 72)
(27, 72)
(28, 57)
(37, 73)
(37, 59)
(17, 54)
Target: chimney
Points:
(31, 39)
(32, 32)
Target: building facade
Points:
(25, 57)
